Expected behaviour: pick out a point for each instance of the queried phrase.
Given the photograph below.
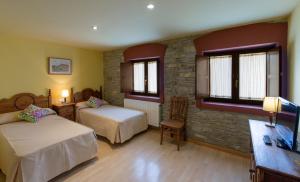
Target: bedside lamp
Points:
(271, 105)
(65, 94)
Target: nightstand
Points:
(65, 110)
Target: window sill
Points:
(240, 108)
(144, 98)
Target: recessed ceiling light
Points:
(95, 27)
(150, 6)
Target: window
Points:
(244, 77)
(140, 77)
(152, 77)
(148, 82)
(252, 76)
(220, 76)
(145, 74)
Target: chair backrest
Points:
(178, 109)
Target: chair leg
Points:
(161, 134)
(184, 134)
(178, 138)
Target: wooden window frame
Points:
(146, 61)
(235, 75)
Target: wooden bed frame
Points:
(21, 101)
(85, 94)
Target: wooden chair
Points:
(177, 120)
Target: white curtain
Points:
(220, 76)
(152, 77)
(252, 77)
(138, 77)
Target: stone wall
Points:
(111, 89)
(226, 129)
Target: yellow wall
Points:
(24, 67)
(294, 55)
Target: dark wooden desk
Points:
(270, 163)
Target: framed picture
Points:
(59, 66)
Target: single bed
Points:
(37, 152)
(117, 124)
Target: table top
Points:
(272, 158)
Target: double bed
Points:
(117, 124)
(37, 152)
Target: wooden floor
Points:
(143, 159)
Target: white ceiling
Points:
(128, 22)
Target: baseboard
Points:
(216, 147)
(153, 127)
(223, 149)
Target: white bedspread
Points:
(37, 152)
(117, 124)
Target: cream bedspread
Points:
(117, 124)
(37, 152)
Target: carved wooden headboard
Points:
(21, 101)
(85, 94)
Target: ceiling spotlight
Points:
(95, 27)
(150, 6)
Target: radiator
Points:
(151, 108)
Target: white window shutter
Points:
(273, 73)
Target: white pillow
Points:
(105, 102)
(81, 105)
(48, 111)
(9, 117)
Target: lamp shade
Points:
(271, 104)
(65, 93)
